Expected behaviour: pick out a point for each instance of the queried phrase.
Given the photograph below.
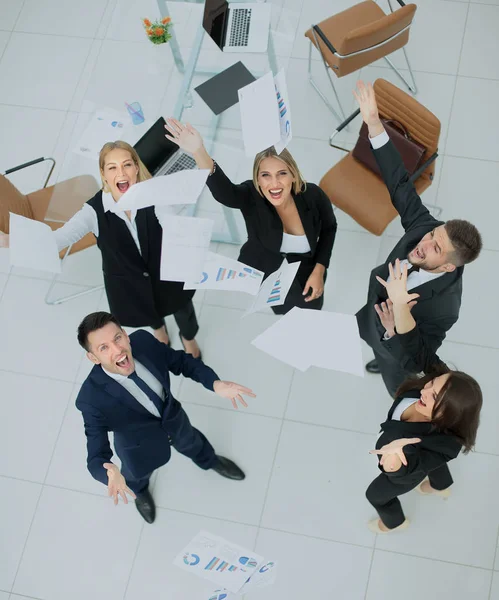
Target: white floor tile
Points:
(480, 363)
(19, 500)
(325, 472)
(339, 570)
(82, 529)
(9, 11)
(4, 38)
(474, 325)
(45, 401)
(414, 578)
(3, 281)
(153, 572)
(462, 529)
(4, 596)
(474, 135)
(466, 189)
(181, 483)
(226, 342)
(480, 42)
(53, 70)
(54, 351)
(52, 17)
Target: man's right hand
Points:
(4, 240)
(116, 485)
(365, 96)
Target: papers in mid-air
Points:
(275, 288)
(32, 245)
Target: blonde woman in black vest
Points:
(130, 243)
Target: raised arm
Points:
(189, 139)
(402, 191)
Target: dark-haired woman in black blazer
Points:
(432, 419)
(285, 217)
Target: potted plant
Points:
(158, 31)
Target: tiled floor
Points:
(304, 440)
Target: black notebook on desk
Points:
(220, 92)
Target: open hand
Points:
(397, 286)
(4, 240)
(116, 485)
(185, 136)
(233, 391)
(366, 98)
(395, 448)
(384, 311)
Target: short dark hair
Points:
(466, 240)
(93, 322)
(457, 407)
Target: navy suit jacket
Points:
(140, 438)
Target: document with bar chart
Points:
(222, 273)
(275, 288)
(224, 563)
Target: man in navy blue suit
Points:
(128, 393)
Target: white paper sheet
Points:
(259, 115)
(184, 247)
(265, 575)
(222, 273)
(211, 557)
(105, 125)
(32, 245)
(275, 288)
(182, 187)
(284, 111)
(304, 338)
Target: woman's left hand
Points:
(397, 286)
(395, 448)
(315, 284)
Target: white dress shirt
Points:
(134, 389)
(294, 244)
(401, 407)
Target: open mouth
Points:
(276, 194)
(123, 362)
(122, 186)
(421, 403)
(418, 253)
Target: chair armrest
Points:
(323, 37)
(423, 167)
(30, 164)
(401, 2)
(342, 126)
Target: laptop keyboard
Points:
(182, 163)
(239, 32)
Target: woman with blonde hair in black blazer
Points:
(431, 420)
(130, 243)
(285, 217)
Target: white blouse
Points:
(402, 406)
(294, 244)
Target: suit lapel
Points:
(142, 229)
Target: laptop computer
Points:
(161, 156)
(237, 27)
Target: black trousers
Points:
(186, 321)
(384, 491)
(186, 439)
(392, 373)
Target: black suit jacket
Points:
(140, 439)
(263, 249)
(439, 300)
(435, 449)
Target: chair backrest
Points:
(378, 31)
(11, 200)
(421, 124)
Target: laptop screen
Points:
(153, 148)
(216, 15)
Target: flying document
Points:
(184, 247)
(222, 273)
(182, 187)
(275, 288)
(284, 111)
(32, 245)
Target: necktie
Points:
(155, 399)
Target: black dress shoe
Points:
(226, 468)
(372, 367)
(146, 507)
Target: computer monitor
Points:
(153, 148)
(216, 16)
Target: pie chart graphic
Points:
(218, 595)
(191, 559)
(248, 562)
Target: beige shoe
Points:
(375, 528)
(441, 493)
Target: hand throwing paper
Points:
(32, 245)
(222, 273)
(226, 564)
(182, 187)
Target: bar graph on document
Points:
(232, 274)
(218, 564)
(275, 294)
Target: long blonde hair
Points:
(108, 147)
(299, 184)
